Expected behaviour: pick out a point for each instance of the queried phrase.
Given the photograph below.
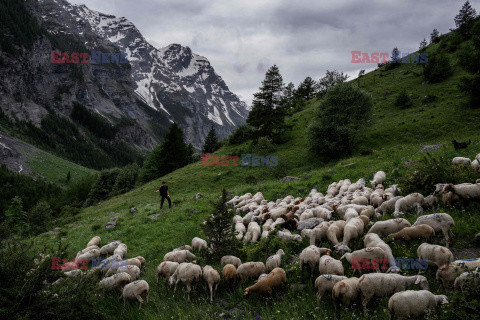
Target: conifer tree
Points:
(423, 45)
(211, 142)
(434, 36)
(465, 18)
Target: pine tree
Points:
(395, 55)
(423, 45)
(267, 116)
(211, 142)
(172, 154)
(465, 18)
(434, 36)
(361, 73)
(306, 89)
(220, 230)
(330, 80)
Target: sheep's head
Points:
(341, 248)
(393, 269)
(246, 293)
(422, 282)
(442, 299)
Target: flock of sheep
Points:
(333, 221)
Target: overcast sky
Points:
(242, 39)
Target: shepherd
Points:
(164, 194)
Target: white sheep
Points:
(118, 280)
(240, 229)
(434, 255)
(87, 249)
(378, 178)
(467, 279)
(188, 273)
(267, 225)
(237, 219)
(135, 290)
(121, 250)
(476, 165)
(255, 230)
(375, 256)
(381, 284)
(274, 261)
(387, 227)
(447, 274)
(199, 244)
(250, 270)
(319, 233)
(230, 260)
(166, 269)
(325, 283)
(133, 271)
(461, 161)
(344, 291)
(467, 191)
(335, 231)
(212, 277)
(329, 265)
(95, 241)
(373, 240)
(413, 303)
(439, 222)
(409, 203)
(179, 256)
(354, 228)
(93, 253)
(387, 206)
(109, 248)
(309, 257)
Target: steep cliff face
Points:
(141, 98)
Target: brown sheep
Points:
(274, 279)
(229, 272)
(420, 231)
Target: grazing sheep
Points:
(447, 274)
(467, 191)
(387, 206)
(179, 256)
(184, 247)
(237, 219)
(229, 273)
(335, 231)
(466, 280)
(109, 248)
(413, 303)
(95, 241)
(373, 240)
(461, 161)
(198, 244)
(378, 178)
(309, 257)
(117, 281)
(240, 229)
(360, 200)
(94, 253)
(439, 222)
(344, 291)
(133, 271)
(350, 213)
(187, 273)
(429, 201)
(135, 290)
(121, 250)
(393, 190)
(319, 233)
(325, 282)
(166, 269)
(353, 230)
(288, 236)
(420, 231)
(250, 270)
(212, 277)
(267, 225)
(381, 284)
(276, 278)
(255, 230)
(247, 237)
(141, 259)
(387, 227)
(274, 261)
(230, 260)
(329, 265)
(121, 263)
(374, 255)
(368, 211)
(409, 203)
(476, 165)
(86, 250)
(341, 210)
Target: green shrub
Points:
(337, 121)
(103, 186)
(422, 175)
(242, 134)
(438, 68)
(126, 179)
(251, 179)
(263, 146)
(429, 98)
(403, 101)
(39, 217)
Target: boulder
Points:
(289, 178)
(198, 196)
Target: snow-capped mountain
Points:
(174, 82)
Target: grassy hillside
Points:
(394, 136)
